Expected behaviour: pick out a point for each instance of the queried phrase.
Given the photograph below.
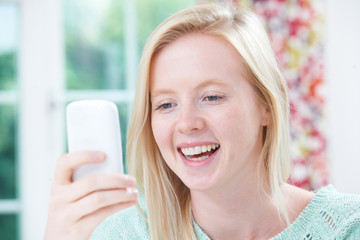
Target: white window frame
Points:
(41, 115)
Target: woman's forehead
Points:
(197, 53)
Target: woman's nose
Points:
(190, 120)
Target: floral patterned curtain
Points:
(296, 29)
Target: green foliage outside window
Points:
(7, 129)
(8, 139)
(8, 224)
(151, 13)
(7, 152)
(94, 57)
(95, 39)
(7, 71)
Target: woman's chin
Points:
(199, 183)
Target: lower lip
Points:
(201, 163)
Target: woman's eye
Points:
(213, 98)
(165, 106)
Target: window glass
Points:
(7, 69)
(8, 45)
(8, 56)
(151, 13)
(95, 35)
(7, 152)
(94, 44)
(9, 25)
(8, 226)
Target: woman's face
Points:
(206, 119)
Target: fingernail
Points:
(132, 191)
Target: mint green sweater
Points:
(329, 215)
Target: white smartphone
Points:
(94, 125)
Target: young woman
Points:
(208, 145)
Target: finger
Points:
(101, 199)
(68, 162)
(91, 221)
(93, 183)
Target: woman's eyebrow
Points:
(212, 81)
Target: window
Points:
(68, 50)
(103, 42)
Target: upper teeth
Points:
(198, 149)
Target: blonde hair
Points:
(168, 199)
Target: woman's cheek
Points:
(160, 130)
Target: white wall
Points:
(343, 76)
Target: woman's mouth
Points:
(199, 153)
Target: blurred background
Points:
(53, 52)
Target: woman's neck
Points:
(236, 212)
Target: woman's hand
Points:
(76, 208)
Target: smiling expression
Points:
(206, 118)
